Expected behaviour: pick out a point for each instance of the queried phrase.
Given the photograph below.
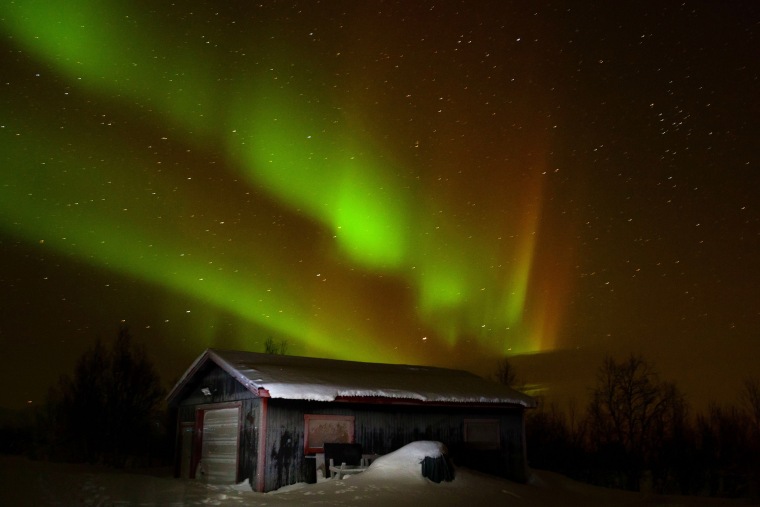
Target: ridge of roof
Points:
(321, 379)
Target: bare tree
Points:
(751, 400)
(725, 441)
(134, 394)
(83, 397)
(505, 373)
(277, 347)
(106, 410)
(633, 411)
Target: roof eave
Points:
(185, 378)
(200, 362)
(384, 400)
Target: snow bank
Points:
(25, 483)
(407, 461)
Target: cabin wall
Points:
(386, 428)
(285, 460)
(224, 389)
(381, 429)
(222, 386)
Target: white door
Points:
(219, 445)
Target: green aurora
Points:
(288, 131)
(438, 183)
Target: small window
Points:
(319, 429)
(482, 433)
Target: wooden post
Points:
(197, 442)
(261, 458)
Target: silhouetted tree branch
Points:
(278, 347)
(507, 375)
(108, 408)
(631, 412)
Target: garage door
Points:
(219, 445)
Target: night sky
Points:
(438, 183)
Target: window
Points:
(482, 433)
(327, 428)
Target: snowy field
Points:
(394, 480)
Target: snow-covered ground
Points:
(393, 480)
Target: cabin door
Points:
(219, 446)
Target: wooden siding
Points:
(379, 428)
(382, 429)
(285, 463)
(220, 384)
(249, 438)
(225, 389)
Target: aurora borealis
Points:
(437, 183)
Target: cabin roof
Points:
(307, 378)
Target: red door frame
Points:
(200, 412)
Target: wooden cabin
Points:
(266, 418)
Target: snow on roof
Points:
(306, 378)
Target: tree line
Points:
(110, 410)
(637, 433)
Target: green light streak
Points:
(295, 142)
(369, 221)
(313, 164)
(95, 232)
(104, 48)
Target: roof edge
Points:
(519, 399)
(200, 361)
(381, 400)
(186, 376)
